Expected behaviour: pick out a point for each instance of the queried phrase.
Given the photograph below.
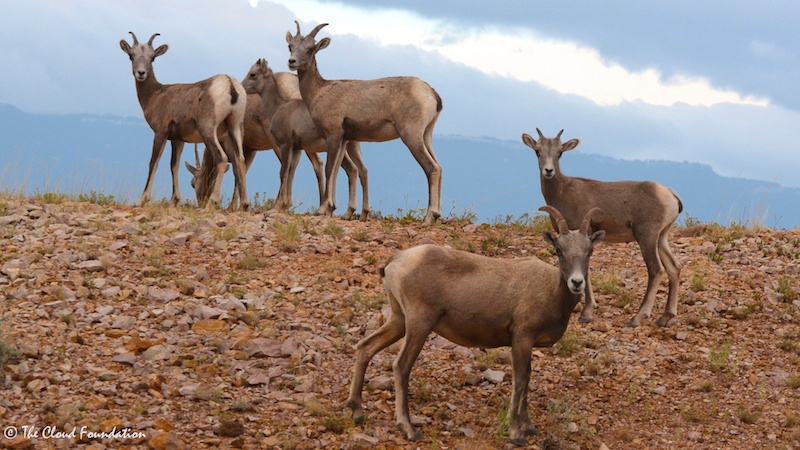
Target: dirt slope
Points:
(213, 329)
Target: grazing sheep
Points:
(257, 137)
(293, 129)
(368, 111)
(641, 211)
(477, 301)
(198, 112)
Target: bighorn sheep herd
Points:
(469, 299)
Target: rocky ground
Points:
(178, 328)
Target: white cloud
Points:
(521, 54)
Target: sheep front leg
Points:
(521, 425)
(175, 161)
(159, 141)
(589, 303)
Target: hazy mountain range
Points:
(493, 178)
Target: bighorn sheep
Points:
(477, 301)
(368, 111)
(198, 112)
(293, 129)
(257, 137)
(642, 211)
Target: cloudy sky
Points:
(681, 80)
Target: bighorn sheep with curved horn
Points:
(477, 301)
(293, 129)
(367, 111)
(641, 211)
(198, 112)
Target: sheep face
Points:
(142, 56)
(549, 151)
(303, 49)
(573, 250)
(253, 82)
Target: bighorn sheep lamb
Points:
(477, 301)
(642, 211)
(368, 111)
(198, 112)
(293, 129)
(257, 137)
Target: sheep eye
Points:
(131, 57)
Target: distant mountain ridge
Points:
(491, 177)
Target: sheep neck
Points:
(311, 82)
(271, 96)
(145, 90)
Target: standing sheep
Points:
(641, 211)
(198, 112)
(477, 301)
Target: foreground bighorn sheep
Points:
(199, 112)
(477, 301)
(368, 111)
(641, 211)
(293, 129)
(257, 137)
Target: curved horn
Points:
(196, 157)
(150, 42)
(558, 136)
(541, 136)
(587, 219)
(563, 228)
(316, 29)
(298, 27)
(135, 41)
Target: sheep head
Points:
(253, 82)
(142, 55)
(303, 49)
(574, 247)
(549, 151)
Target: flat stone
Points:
(209, 326)
(495, 376)
(162, 295)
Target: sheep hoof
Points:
(585, 319)
(417, 436)
(632, 324)
(520, 442)
(665, 319)
(359, 417)
(532, 431)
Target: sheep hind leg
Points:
(433, 171)
(386, 335)
(654, 271)
(521, 425)
(417, 331)
(673, 268)
(589, 303)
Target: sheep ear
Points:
(322, 44)
(192, 169)
(123, 44)
(597, 236)
(550, 237)
(288, 37)
(528, 140)
(161, 50)
(570, 144)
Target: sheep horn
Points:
(316, 29)
(558, 136)
(541, 136)
(135, 41)
(587, 219)
(563, 228)
(196, 156)
(150, 42)
(298, 27)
